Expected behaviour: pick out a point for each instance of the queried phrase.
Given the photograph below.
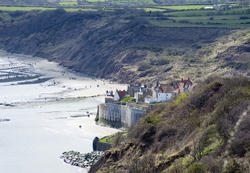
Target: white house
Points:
(163, 97)
(150, 100)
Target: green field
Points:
(144, 2)
(182, 16)
(5, 8)
(151, 9)
(96, 0)
(185, 13)
(233, 18)
(70, 3)
(184, 7)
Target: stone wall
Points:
(100, 146)
(125, 114)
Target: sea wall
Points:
(125, 114)
(100, 146)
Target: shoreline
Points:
(45, 118)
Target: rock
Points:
(82, 160)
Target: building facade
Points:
(125, 114)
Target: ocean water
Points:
(42, 106)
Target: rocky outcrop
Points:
(82, 160)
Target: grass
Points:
(5, 8)
(107, 139)
(96, 0)
(122, 2)
(205, 18)
(133, 2)
(70, 3)
(151, 9)
(186, 13)
(184, 7)
(127, 99)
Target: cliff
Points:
(203, 131)
(123, 45)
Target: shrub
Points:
(145, 73)
(118, 139)
(147, 135)
(241, 144)
(184, 21)
(159, 61)
(166, 133)
(233, 167)
(244, 17)
(145, 164)
(197, 167)
(97, 118)
(144, 67)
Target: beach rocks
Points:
(82, 160)
(5, 119)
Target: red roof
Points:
(121, 94)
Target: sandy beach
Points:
(42, 106)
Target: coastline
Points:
(43, 121)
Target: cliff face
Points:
(118, 45)
(203, 131)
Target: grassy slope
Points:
(141, 51)
(195, 132)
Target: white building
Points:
(150, 100)
(163, 97)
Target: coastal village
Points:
(125, 108)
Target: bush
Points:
(197, 167)
(159, 61)
(184, 21)
(144, 67)
(241, 144)
(166, 133)
(244, 17)
(145, 164)
(118, 139)
(233, 167)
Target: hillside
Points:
(199, 132)
(133, 45)
(111, 2)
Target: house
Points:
(133, 89)
(163, 97)
(183, 86)
(109, 98)
(150, 99)
(139, 97)
(119, 95)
